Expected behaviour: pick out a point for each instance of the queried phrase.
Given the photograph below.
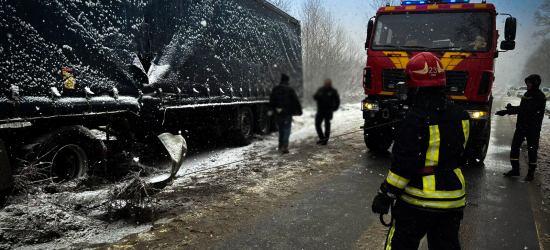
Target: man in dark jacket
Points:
(328, 101)
(530, 114)
(425, 177)
(284, 104)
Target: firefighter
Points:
(284, 104)
(328, 101)
(530, 114)
(424, 178)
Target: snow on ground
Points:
(348, 117)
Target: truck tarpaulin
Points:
(210, 49)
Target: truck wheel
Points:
(378, 139)
(68, 162)
(242, 136)
(476, 150)
(71, 150)
(262, 123)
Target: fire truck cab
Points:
(462, 35)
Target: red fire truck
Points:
(462, 34)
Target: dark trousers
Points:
(285, 125)
(411, 224)
(319, 118)
(532, 138)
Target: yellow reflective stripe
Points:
(460, 176)
(397, 180)
(429, 182)
(512, 159)
(466, 130)
(534, 163)
(435, 194)
(434, 204)
(432, 155)
(390, 236)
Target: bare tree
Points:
(284, 5)
(328, 52)
(542, 19)
(538, 62)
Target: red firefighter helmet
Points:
(425, 70)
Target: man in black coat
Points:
(284, 103)
(530, 114)
(328, 101)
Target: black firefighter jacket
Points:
(530, 110)
(425, 172)
(284, 101)
(327, 99)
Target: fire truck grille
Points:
(456, 80)
(390, 78)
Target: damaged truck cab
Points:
(462, 35)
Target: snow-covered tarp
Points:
(189, 49)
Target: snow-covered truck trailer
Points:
(133, 68)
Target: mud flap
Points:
(177, 148)
(6, 177)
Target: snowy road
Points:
(319, 198)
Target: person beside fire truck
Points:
(424, 177)
(530, 114)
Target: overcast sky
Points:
(352, 15)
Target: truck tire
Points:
(476, 149)
(72, 151)
(243, 135)
(69, 161)
(378, 139)
(262, 122)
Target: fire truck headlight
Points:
(371, 106)
(478, 114)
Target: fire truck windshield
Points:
(445, 31)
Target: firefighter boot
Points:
(515, 169)
(531, 173)
(284, 148)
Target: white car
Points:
(512, 91)
(521, 92)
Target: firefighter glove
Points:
(383, 201)
(502, 112)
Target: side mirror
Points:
(507, 45)
(510, 29)
(370, 27)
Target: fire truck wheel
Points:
(476, 149)
(377, 140)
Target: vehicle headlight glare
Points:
(478, 114)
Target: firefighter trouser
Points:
(319, 118)
(532, 138)
(411, 224)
